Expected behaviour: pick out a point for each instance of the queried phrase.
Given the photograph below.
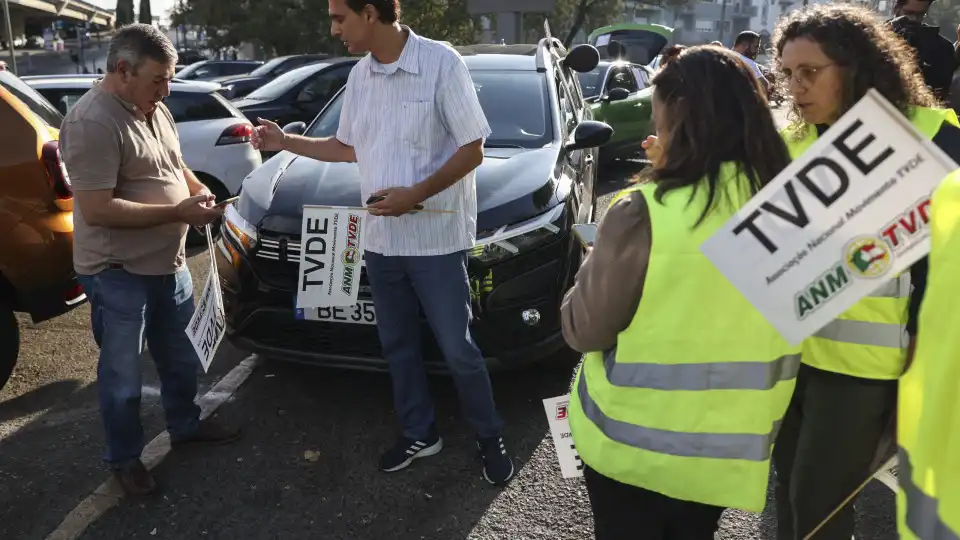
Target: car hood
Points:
(512, 185)
(233, 79)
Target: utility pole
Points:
(723, 18)
(13, 55)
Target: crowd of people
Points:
(673, 428)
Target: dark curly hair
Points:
(717, 114)
(870, 54)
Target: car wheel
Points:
(196, 239)
(9, 343)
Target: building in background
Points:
(705, 21)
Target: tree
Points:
(300, 26)
(124, 12)
(145, 16)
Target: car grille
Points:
(277, 258)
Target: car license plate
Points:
(360, 313)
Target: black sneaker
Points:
(497, 465)
(406, 450)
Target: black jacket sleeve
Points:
(918, 278)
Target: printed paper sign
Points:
(206, 328)
(330, 257)
(840, 222)
(556, 408)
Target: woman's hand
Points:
(653, 148)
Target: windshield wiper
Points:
(495, 145)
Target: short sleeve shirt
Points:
(404, 121)
(107, 143)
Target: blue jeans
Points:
(440, 284)
(126, 312)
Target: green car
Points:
(618, 90)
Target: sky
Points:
(158, 7)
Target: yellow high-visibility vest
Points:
(689, 401)
(928, 423)
(869, 340)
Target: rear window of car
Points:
(31, 98)
(193, 107)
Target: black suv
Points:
(537, 179)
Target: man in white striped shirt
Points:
(412, 121)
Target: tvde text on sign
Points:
(840, 222)
(331, 255)
(208, 323)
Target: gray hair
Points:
(138, 42)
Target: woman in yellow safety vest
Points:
(676, 406)
(928, 504)
(830, 440)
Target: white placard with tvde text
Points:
(840, 222)
(331, 253)
(556, 408)
(208, 323)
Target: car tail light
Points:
(56, 170)
(235, 134)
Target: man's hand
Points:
(397, 201)
(267, 136)
(198, 210)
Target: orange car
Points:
(36, 217)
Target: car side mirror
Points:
(583, 58)
(616, 94)
(295, 128)
(590, 134)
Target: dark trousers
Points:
(826, 448)
(625, 512)
(440, 284)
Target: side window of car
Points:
(325, 85)
(191, 107)
(209, 70)
(622, 77)
(567, 117)
(643, 79)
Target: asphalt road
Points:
(265, 487)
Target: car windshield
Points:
(284, 83)
(32, 99)
(265, 69)
(590, 83)
(514, 102)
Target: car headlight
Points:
(509, 240)
(239, 229)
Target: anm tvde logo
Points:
(868, 257)
(864, 257)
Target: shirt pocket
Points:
(418, 123)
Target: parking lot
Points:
(305, 467)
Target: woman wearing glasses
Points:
(846, 390)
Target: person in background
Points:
(135, 201)
(412, 122)
(670, 54)
(935, 54)
(674, 428)
(841, 413)
(928, 427)
(747, 45)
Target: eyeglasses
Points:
(805, 75)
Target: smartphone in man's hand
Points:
(226, 202)
(586, 233)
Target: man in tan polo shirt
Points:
(135, 201)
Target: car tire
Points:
(9, 343)
(196, 239)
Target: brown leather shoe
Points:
(135, 479)
(209, 433)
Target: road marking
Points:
(109, 493)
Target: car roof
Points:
(325, 63)
(86, 81)
(500, 61)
